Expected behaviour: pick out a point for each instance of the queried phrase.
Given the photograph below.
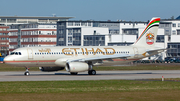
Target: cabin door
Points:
(135, 52)
(30, 53)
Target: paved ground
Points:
(101, 75)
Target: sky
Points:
(98, 10)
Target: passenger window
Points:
(16, 53)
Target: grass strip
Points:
(89, 90)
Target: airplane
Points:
(82, 58)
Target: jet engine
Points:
(50, 69)
(76, 67)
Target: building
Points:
(9, 20)
(94, 33)
(31, 31)
(172, 35)
(81, 33)
(4, 40)
(28, 35)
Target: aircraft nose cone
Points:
(6, 59)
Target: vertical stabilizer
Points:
(148, 36)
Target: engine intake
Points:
(50, 69)
(77, 67)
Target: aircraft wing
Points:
(104, 57)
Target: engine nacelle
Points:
(77, 67)
(50, 69)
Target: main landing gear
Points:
(27, 71)
(74, 73)
(92, 72)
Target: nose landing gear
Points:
(27, 71)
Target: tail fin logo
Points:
(150, 38)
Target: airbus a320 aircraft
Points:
(82, 58)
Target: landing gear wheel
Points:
(26, 73)
(89, 72)
(74, 73)
(92, 72)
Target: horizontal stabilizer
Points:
(156, 50)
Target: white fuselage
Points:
(47, 56)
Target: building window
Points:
(53, 32)
(70, 31)
(70, 23)
(178, 24)
(61, 31)
(169, 38)
(94, 40)
(178, 32)
(166, 25)
(84, 24)
(174, 32)
(61, 39)
(166, 32)
(160, 38)
(173, 25)
(69, 39)
(89, 24)
(77, 23)
(4, 38)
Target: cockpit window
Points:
(15, 53)
(12, 53)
